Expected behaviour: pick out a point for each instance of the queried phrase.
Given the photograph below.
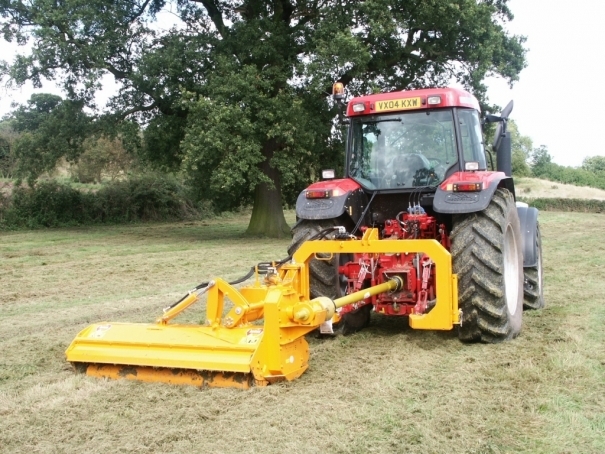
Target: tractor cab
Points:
(407, 140)
(417, 148)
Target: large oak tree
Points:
(237, 93)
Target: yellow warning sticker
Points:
(252, 336)
(99, 331)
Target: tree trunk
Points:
(267, 213)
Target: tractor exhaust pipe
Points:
(504, 155)
(502, 144)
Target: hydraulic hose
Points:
(363, 215)
(205, 284)
(262, 265)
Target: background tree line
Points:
(36, 136)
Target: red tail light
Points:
(467, 187)
(318, 194)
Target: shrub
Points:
(47, 205)
(143, 198)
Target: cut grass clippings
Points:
(385, 389)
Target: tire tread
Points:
(477, 257)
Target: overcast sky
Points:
(559, 94)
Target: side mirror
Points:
(492, 118)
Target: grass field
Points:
(387, 389)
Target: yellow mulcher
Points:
(232, 350)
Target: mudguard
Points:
(448, 202)
(345, 196)
(528, 217)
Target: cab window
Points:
(402, 149)
(471, 137)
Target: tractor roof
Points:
(427, 98)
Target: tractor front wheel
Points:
(487, 257)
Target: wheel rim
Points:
(511, 270)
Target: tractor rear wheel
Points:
(532, 286)
(486, 255)
(323, 274)
(356, 320)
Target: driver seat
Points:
(406, 165)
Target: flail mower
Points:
(419, 228)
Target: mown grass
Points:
(387, 389)
(539, 188)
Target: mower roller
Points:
(233, 349)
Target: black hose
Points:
(244, 278)
(261, 265)
(205, 284)
(363, 215)
(318, 236)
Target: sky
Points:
(558, 97)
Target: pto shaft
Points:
(392, 284)
(308, 313)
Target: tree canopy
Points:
(236, 94)
(50, 128)
(594, 164)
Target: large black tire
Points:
(356, 320)
(533, 294)
(487, 257)
(323, 275)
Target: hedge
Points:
(561, 204)
(51, 204)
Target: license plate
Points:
(397, 104)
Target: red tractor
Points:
(416, 168)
